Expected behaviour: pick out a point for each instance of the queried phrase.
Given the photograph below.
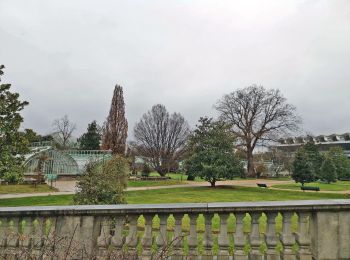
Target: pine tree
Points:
(91, 139)
(328, 170)
(115, 130)
(314, 157)
(302, 168)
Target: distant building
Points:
(323, 142)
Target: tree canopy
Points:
(341, 162)
(303, 170)
(327, 171)
(91, 139)
(161, 138)
(13, 143)
(211, 152)
(64, 129)
(256, 114)
(115, 129)
(103, 182)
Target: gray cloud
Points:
(66, 56)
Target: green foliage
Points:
(211, 150)
(328, 170)
(341, 162)
(103, 182)
(13, 176)
(91, 139)
(314, 157)
(146, 170)
(302, 167)
(13, 143)
(191, 177)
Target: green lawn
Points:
(338, 186)
(195, 194)
(146, 183)
(176, 176)
(25, 188)
(183, 195)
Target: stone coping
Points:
(180, 208)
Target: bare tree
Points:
(161, 137)
(115, 129)
(257, 115)
(64, 129)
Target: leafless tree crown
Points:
(115, 129)
(256, 115)
(64, 129)
(161, 137)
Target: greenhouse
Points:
(60, 162)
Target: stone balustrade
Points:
(286, 230)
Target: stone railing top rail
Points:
(181, 208)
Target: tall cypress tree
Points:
(115, 129)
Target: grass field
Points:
(176, 176)
(25, 188)
(183, 195)
(195, 194)
(154, 183)
(338, 186)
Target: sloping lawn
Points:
(183, 195)
(338, 186)
(25, 188)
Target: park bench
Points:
(262, 185)
(304, 188)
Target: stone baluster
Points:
(208, 238)
(85, 226)
(303, 237)
(3, 232)
(178, 238)
(162, 236)
(147, 238)
(13, 238)
(287, 237)
(271, 237)
(192, 238)
(131, 239)
(104, 239)
(254, 238)
(50, 234)
(118, 238)
(223, 237)
(27, 232)
(239, 238)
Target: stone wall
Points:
(261, 230)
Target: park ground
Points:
(178, 190)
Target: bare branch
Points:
(255, 115)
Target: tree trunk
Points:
(212, 184)
(250, 165)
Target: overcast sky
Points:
(65, 57)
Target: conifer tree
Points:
(303, 169)
(91, 139)
(115, 129)
(328, 170)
